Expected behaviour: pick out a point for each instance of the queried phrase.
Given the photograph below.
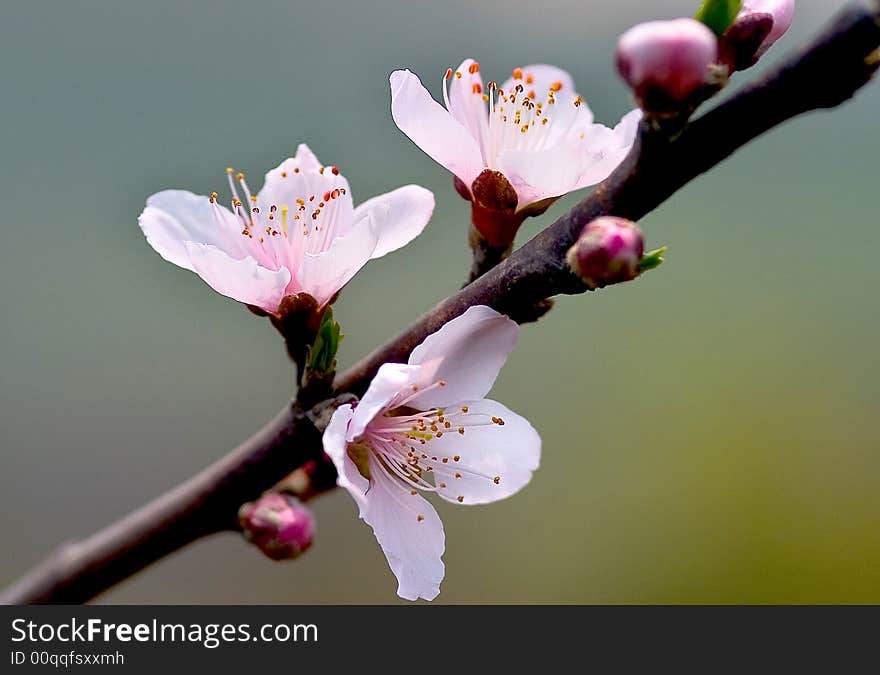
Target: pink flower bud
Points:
(279, 525)
(608, 251)
(665, 62)
(782, 12)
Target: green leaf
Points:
(652, 259)
(322, 354)
(718, 14)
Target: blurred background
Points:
(710, 431)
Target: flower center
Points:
(279, 234)
(521, 118)
(406, 445)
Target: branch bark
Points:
(823, 75)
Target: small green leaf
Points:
(652, 259)
(322, 354)
(718, 14)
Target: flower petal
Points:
(608, 147)
(392, 381)
(410, 533)
(539, 77)
(399, 216)
(467, 353)
(510, 451)
(336, 447)
(243, 280)
(466, 102)
(173, 217)
(540, 174)
(323, 275)
(433, 128)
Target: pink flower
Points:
(425, 427)
(534, 129)
(782, 12)
(299, 234)
(665, 62)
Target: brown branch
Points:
(827, 73)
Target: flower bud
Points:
(608, 251)
(781, 11)
(279, 525)
(666, 62)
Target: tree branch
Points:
(823, 75)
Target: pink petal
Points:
(467, 354)
(173, 217)
(510, 452)
(410, 533)
(324, 274)
(540, 174)
(399, 216)
(392, 381)
(431, 127)
(336, 447)
(466, 101)
(608, 148)
(543, 77)
(243, 280)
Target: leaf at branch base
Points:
(652, 259)
(322, 354)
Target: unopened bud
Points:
(781, 11)
(608, 251)
(667, 62)
(279, 525)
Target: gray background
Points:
(709, 431)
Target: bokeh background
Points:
(710, 431)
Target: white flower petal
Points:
(392, 381)
(173, 217)
(542, 77)
(540, 174)
(410, 533)
(336, 447)
(322, 275)
(510, 452)
(433, 128)
(243, 280)
(466, 102)
(608, 147)
(399, 216)
(301, 177)
(467, 353)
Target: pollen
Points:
(239, 176)
(496, 480)
(456, 458)
(414, 492)
(230, 170)
(517, 74)
(474, 68)
(556, 86)
(477, 88)
(460, 498)
(530, 79)
(448, 74)
(464, 408)
(420, 517)
(335, 171)
(284, 174)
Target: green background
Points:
(710, 431)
